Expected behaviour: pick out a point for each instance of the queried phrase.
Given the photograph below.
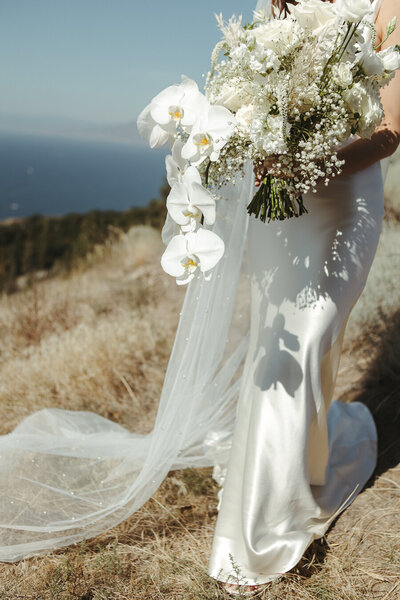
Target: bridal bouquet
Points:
(288, 90)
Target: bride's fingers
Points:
(257, 170)
(261, 170)
(259, 176)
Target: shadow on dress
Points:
(293, 268)
(276, 364)
(339, 278)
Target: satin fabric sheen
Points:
(298, 458)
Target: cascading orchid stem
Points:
(207, 172)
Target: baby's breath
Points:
(297, 97)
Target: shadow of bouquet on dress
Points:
(315, 262)
(316, 276)
(277, 364)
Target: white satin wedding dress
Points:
(296, 459)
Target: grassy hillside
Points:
(98, 338)
(40, 245)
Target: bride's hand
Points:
(263, 168)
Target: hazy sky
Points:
(100, 61)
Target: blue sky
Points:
(90, 65)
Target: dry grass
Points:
(100, 340)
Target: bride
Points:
(297, 458)
(253, 401)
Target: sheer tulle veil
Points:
(67, 475)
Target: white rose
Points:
(354, 97)
(371, 109)
(353, 11)
(390, 58)
(371, 115)
(367, 103)
(313, 15)
(244, 118)
(277, 35)
(231, 97)
(342, 74)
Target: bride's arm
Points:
(364, 152)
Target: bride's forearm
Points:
(362, 153)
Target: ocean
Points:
(55, 176)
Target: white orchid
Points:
(186, 254)
(189, 200)
(169, 230)
(177, 105)
(151, 131)
(176, 165)
(209, 135)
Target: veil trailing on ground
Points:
(67, 475)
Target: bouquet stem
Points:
(274, 201)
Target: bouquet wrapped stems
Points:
(274, 201)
